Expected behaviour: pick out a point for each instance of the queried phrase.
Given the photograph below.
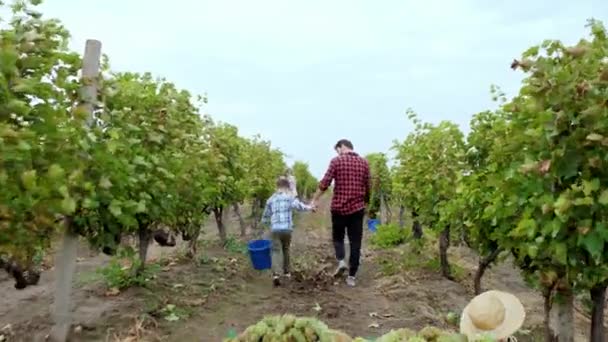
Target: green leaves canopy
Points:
(306, 183)
(558, 124)
(39, 158)
(150, 157)
(429, 162)
(381, 182)
(264, 164)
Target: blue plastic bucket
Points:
(372, 225)
(259, 253)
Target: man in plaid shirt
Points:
(351, 177)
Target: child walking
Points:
(279, 215)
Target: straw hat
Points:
(492, 313)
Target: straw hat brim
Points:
(515, 315)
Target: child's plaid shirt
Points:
(279, 211)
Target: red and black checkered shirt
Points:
(350, 174)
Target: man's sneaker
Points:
(276, 280)
(287, 275)
(351, 281)
(341, 269)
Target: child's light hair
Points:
(283, 183)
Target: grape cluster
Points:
(288, 328)
(428, 334)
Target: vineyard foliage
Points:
(558, 124)
(430, 161)
(537, 160)
(138, 158)
(149, 156)
(530, 178)
(475, 189)
(227, 169)
(381, 182)
(40, 158)
(306, 183)
(264, 165)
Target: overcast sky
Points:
(307, 73)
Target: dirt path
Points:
(26, 313)
(361, 311)
(204, 300)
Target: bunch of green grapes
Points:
(288, 328)
(428, 334)
(397, 335)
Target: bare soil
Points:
(204, 299)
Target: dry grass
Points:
(142, 329)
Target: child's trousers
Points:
(281, 240)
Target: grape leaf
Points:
(603, 198)
(68, 205)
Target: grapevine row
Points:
(529, 181)
(88, 152)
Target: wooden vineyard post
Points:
(66, 256)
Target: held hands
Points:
(313, 206)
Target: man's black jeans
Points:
(352, 225)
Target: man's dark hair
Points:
(283, 183)
(345, 143)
